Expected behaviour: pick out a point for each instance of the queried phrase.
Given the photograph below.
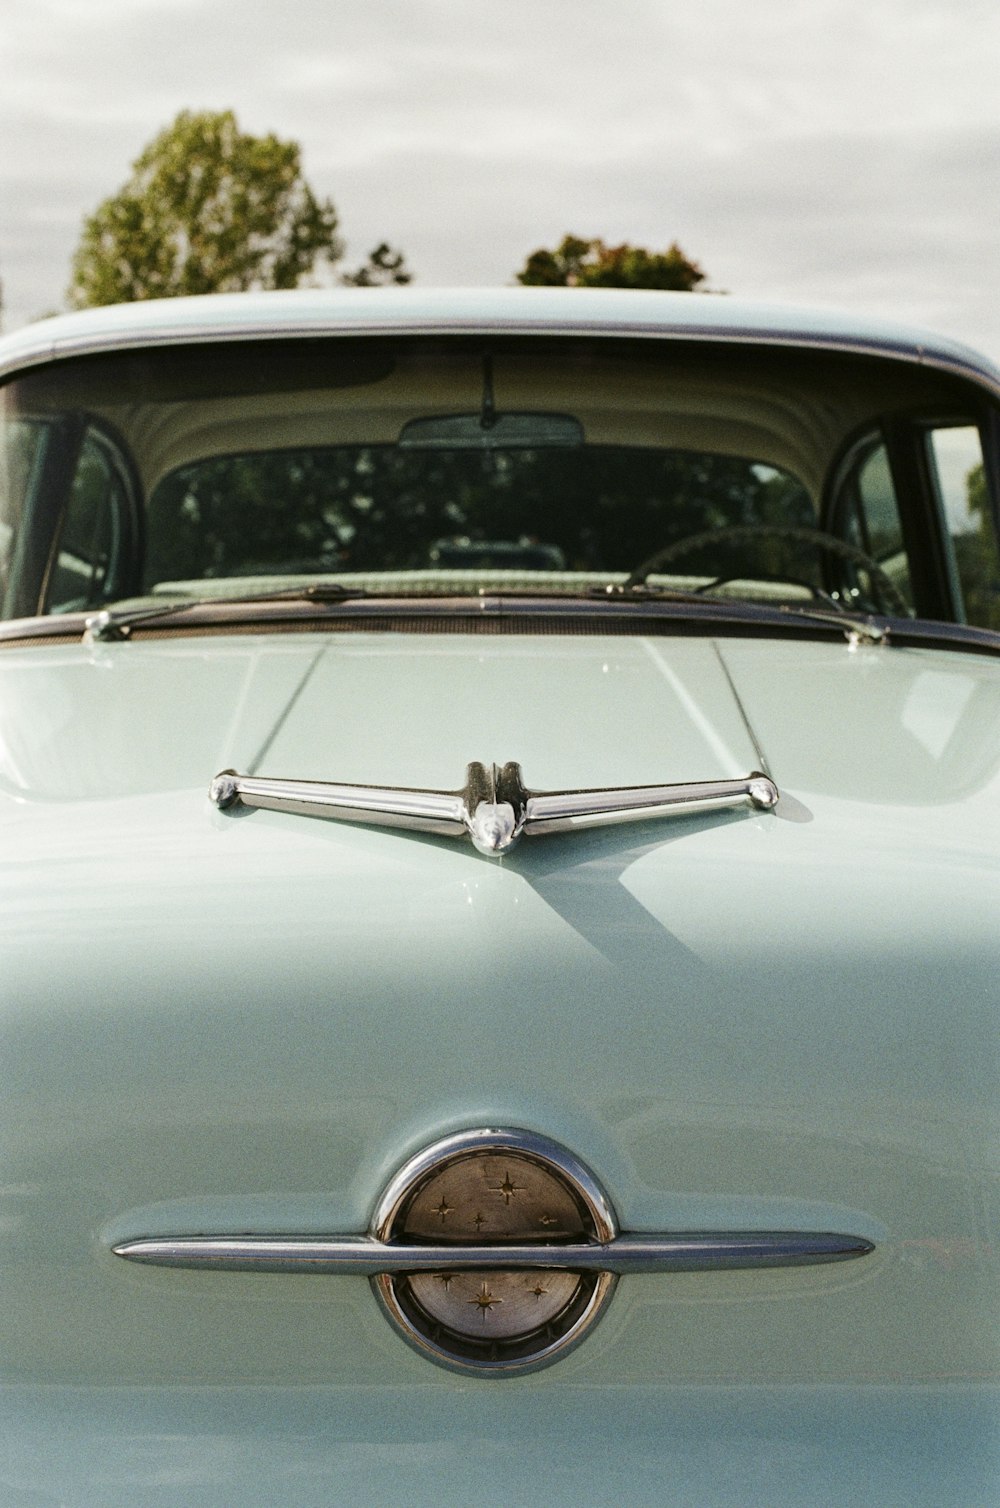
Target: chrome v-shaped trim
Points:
(494, 808)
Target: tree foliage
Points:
(594, 264)
(207, 209)
(375, 508)
(384, 268)
(977, 555)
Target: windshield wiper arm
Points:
(856, 628)
(616, 589)
(107, 624)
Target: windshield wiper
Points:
(108, 624)
(617, 590)
(856, 628)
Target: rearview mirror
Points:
(492, 432)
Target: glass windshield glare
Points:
(441, 467)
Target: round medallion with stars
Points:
(494, 1189)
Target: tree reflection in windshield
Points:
(368, 509)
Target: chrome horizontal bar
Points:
(366, 1256)
(562, 809)
(425, 811)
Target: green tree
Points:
(207, 209)
(977, 556)
(383, 268)
(593, 264)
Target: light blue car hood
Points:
(767, 1020)
(903, 728)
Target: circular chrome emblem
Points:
(475, 1194)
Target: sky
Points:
(829, 152)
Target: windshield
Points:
(435, 467)
(526, 515)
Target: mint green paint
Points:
(216, 1022)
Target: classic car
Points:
(500, 845)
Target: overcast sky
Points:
(844, 152)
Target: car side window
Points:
(23, 443)
(866, 512)
(89, 562)
(955, 457)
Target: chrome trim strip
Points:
(365, 1256)
(561, 809)
(494, 807)
(424, 811)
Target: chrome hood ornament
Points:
(494, 808)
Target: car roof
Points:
(601, 312)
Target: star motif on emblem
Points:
(446, 1279)
(478, 1221)
(443, 1209)
(547, 1220)
(484, 1300)
(508, 1188)
(538, 1290)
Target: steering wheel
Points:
(885, 587)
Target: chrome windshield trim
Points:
(494, 808)
(365, 1256)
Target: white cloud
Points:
(846, 154)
